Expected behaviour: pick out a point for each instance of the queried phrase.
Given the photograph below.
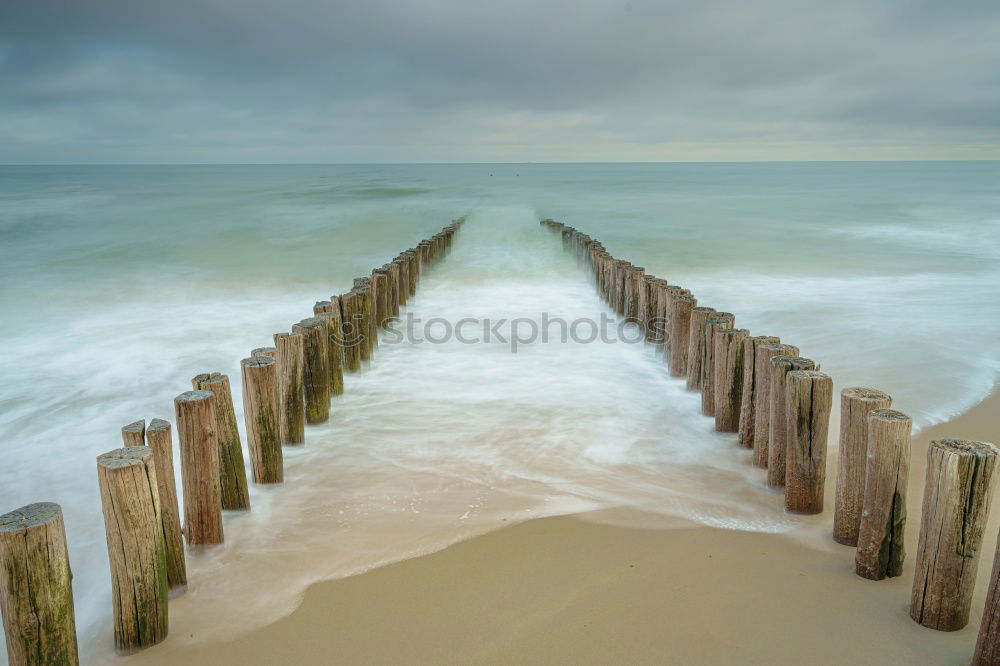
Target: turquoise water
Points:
(121, 283)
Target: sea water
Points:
(118, 284)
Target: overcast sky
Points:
(509, 80)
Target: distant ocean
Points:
(118, 284)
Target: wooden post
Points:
(260, 411)
(715, 323)
(633, 284)
(316, 369)
(662, 304)
(728, 381)
(696, 346)
(855, 405)
(380, 280)
(199, 444)
(366, 286)
(648, 304)
(777, 427)
(134, 434)
(988, 644)
(957, 493)
(681, 311)
(270, 352)
(762, 397)
(363, 308)
(329, 311)
(333, 333)
(232, 470)
(413, 274)
(350, 316)
(36, 591)
(131, 501)
(810, 398)
(403, 275)
(159, 438)
(880, 536)
(392, 272)
(750, 386)
(291, 390)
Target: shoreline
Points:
(588, 588)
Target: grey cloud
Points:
(110, 80)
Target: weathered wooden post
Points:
(414, 270)
(131, 501)
(880, 535)
(350, 316)
(750, 386)
(232, 470)
(291, 390)
(260, 410)
(199, 445)
(668, 292)
(380, 280)
(777, 427)
(728, 381)
(681, 310)
(762, 397)
(363, 310)
(810, 398)
(633, 283)
(696, 346)
(856, 404)
(988, 644)
(403, 289)
(392, 270)
(714, 324)
(366, 286)
(335, 351)
(648, 304)
(36, 591)
(159, 440)
(621, 283)
(957, 494)
(134, 434)
(316, 364)
(269, 352)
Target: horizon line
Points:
(428, 163)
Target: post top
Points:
(796, 362)
(812, 375)
(257, 362)
(158, 424)
(888, 415)
(194, 396)
(136, 426)
(31, 515)
(862, 393)
(131, 452)
(966, 447)
(310, 322)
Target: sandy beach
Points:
(586, 589)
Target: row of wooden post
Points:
(284, 387)
(779, 404)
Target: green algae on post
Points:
(957, 493)
(130, 499)
(36, 592)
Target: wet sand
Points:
(591, 589)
